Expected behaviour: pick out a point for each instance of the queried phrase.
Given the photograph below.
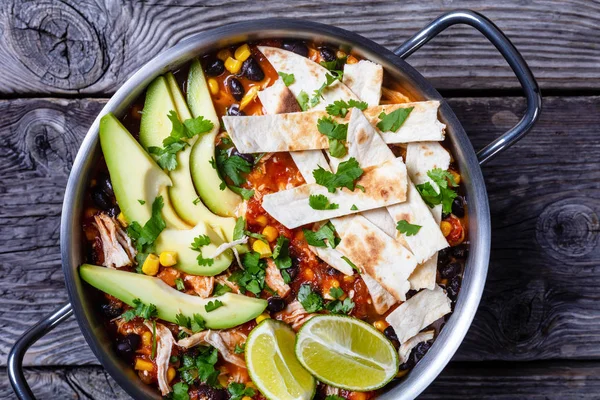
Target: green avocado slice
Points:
(128, 286)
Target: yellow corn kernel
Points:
(147, 339)
(151, 264)
(143, 365)
(251, 385)
(122, 219)
(456, 176)
(168, 258)
(246, 398)
(223, 54)
(171, 374)
(270, 233)
(262, 248)
(351, 60)
(335, 283)
(380, 325)
(242, 53)
(340, 54)
(262, 317)
(213, 86)
(349, 278)
(249, 96)
(232, 65)
(261, 220)
(309, 273)
(223, 381)
(446, 228)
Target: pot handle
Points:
(32, 335)
(510, 54)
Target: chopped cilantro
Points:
(336, 292)
(213, 305)
(239, 390)
(142, 202)
(166, 156)
(350, 263)
(145, 311)
(245, 193)
(340, 107)
(407, 228)
(180, 392)
(303, 100)
(330, 79)
(252, 277)
(238, 230)
(321, 202)
(239, 348)
(337, 148)
(335, 65)
(336, 133)
(257, 236)
(340, 307)
(145, 236)
(196, 201)
(393, 121)
(311, 301)
(197, 244)
(445, 196)
(317, 238)
(281, 257)
(196, 323)
(232, 167)
(354, 208)
(346, 176)
(288, 79)
(220, 290)
(361, 188)
(201, 367)
(179, 284)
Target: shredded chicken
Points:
(165, 344)
(223, 340)
(331, 391)
(202, 285)
(275, 280)
(295, 315)
(233, 373)
(229, 245)
(406, 348)
(223, 280)
(116, 245)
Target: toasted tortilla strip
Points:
(308, 76)
(406, 348)
(278, 99)
(378, 255)
(364, 79)
(421, 158)
(333, 258)
(384, 185)
(418, 312)
(381, 298)
(308, 161)
(298, 131)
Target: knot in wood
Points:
(57, 43)
(569, 228)
(522, 316)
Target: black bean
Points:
(127, 346)
(421, 349)
(252, 70)
(105, 185)
(214, 67)
(101, 199)
(410, 294)
(444, 256)
(327, 54)
(390, 333)
(235, 88)
(453, 287)
(460, 251)
(409, 364)
(293, 271)
(210, 393)
(111, 310)
(296, 46)
(114, 211)
(450, 270)
(234, 110)
(245, 156)
(458, 206)
(275, 304)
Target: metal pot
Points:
(469, 163)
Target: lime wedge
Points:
(273, 366)
(346, 352)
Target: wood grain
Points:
(541, 297)
(91, 47)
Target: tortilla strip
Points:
(418, 312)
(278, 99)
(308, 76)
(364, 79)
(421, 158)
(381, 298)
(298, 131)
(383, 185)
(378, 255)
(406, 348)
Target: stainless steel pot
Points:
(469, 163)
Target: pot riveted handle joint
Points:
(510, 54)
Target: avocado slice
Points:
(208, 183)
(181, 241)
(161, 98)
(134, 175)
(128, 286)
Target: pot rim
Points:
(475, 273)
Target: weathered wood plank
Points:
(541, 299)
(497, 381)
(56, 47)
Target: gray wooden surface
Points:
(537, 332)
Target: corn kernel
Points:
(380, 325)
(171, 374)
(351, 60)
(246, 398)
(122, 219)
(309, 273)
(358, 396)
(249, 96)
(168, 258)
(223, 381)
(151, 264)
(262, 317)
(251, 385)
(143, 365)
(349, 278)
(446, 228)
(147, 339)
(223, 54)
(456, 176)
(340, 54)
(261, 220)
(232, 65)
(242, 53)
(213, 86)
(270, 233)
(262, 248)
(335, 283)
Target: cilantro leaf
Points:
(393, 121)
(238, 230)
(442, 178)
(311, 301)
(340, 107)
(145, 236)
(252, 277)
(332, 129)
(303, 100)
(346, 176)
(337, 148)
(213, 305)
(180, 392)
(321, 202)
(197, 244)
(336, 292)
(196, 201)
(330, 79)
(350, 263)
(407, 228)
(239, 349)
(445, 196)
(317, 238)
(334, 397)
(220, 290)
(281, 253)
(340, 307)
(197, 126)
(354, 208)
(288, 79)
(179, 284)
(336, 64)
(145, 311)
(232, 167)
(201, 367)
(245, 193)
(196, 323)
(239, 390)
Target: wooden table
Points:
(537, 331)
